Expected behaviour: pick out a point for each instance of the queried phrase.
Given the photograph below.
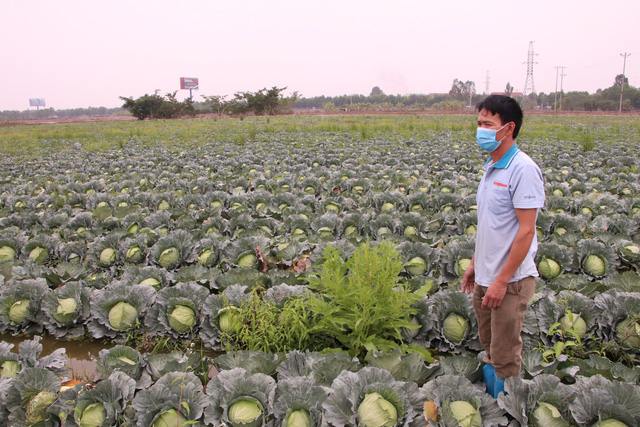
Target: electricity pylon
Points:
(529, 86)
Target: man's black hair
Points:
(504, 106)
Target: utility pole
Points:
(486, 85)
(624, 66)
(555, 95)
(562, 74)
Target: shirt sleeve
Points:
(527, 187)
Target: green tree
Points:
(157, 107)
(330, 107)
(619, 80)
(265, 101)
(144, 107)
(376, 91)
(463, 91)
(171, 107)
(215, 103)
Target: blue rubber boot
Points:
(490, 377)
(498, 387)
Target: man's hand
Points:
(469, 278)
(495, 294)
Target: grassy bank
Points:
(33, 140)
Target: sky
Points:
(88, 53)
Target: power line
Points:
(609, 60)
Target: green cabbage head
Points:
(350, 230)
(66, 311)
(547, 415)
(548, 268)
(299, 418)
(416, 266)
(107, 257)
(170, 418)
(387, 207)
(169, 257)
(324, 231)
(244, 411)
(206, 257)
(133, 228)
(410, 230)
(37, 407)
(595, 265)
(383, 230)
(39, 254)
(332, 207)
(376, 411)
(93, 415)
(247, 260)
(228, 320)
(628, 333)
(10, 368)
(413, 332)
(455, 327)
(610, 422)
(298, 232)
(19, 310)
(123, 316)
(587, 211)
(560, 231)
(182, 318)
(465, 413)
(462, 265)
(150, 281)
(134, 254)
(574, 322)
(7, 253)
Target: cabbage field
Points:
(305, 271)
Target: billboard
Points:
(188, 83)
(36, 102)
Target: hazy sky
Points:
(90, 52)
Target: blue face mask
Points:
(487, 138)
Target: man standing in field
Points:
(502, 271)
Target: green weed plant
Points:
(361, 304)
(264, 326)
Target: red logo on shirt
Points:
(499, 184)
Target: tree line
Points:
(273, 101)
(603, 100)
(45, 113)
(463, 93)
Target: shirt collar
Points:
(505, 160)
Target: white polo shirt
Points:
(514, 182)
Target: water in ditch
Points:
(81, 354)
